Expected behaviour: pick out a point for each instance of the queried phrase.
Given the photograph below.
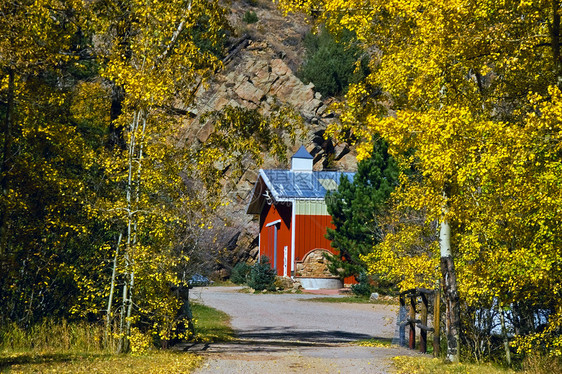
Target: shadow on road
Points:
(279, 339)
(293, 335)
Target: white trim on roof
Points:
(273, 223)
(271, 188)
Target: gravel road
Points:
(288, 333)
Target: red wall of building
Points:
(310, 234)
(272, 213)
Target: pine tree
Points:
(262, 276)
(355, 208)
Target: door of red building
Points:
(272, 241)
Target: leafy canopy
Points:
(474, 90)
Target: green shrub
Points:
(262, 276)
(240, 272)
(213, 41)
(364, 287)
(331, 64)
(250, 17)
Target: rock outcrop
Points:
(260, 73)
(258, 79)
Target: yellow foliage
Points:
(425, 365)
(154, 362)
(140, 343)
(471, 105)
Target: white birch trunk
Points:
(125, 323)
(450, 292)
(111, 291)
(132, 235)
(505, 339)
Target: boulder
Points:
(247, 91)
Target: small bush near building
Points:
(240, 272)
(364, 287)
(250, 17)
(262, 276)
(372, 283)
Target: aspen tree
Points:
(42, 210)
(159, 54)
(148, 49)
(472, 87)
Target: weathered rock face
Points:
(314, 265)
(257, 79)
(259, 73)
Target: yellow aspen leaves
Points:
(470, 104)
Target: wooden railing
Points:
(414, 295)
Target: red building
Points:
(293, 219)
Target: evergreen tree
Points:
(355, 208)
(262, 276)
(331, 63)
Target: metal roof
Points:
(303, 153)
(287, 185)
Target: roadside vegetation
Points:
(211, 325)
(259, 276)
(160, 362)
(77, 348)
(532, 364)
(426, 365)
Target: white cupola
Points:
(302, 160)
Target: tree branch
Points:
(174, 39)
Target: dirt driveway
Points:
(288, 334)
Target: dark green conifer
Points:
(356, 208)
(262, 276)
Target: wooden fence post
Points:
(423, 327)
(412, 321)
(422, 322)
(436, 321)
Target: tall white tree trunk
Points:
(111, 291)
(128, 285)
(450, 291)
(505, 339)
(122, 345)
(133, 220)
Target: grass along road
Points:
(38, 352)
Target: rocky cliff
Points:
(259, 73)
